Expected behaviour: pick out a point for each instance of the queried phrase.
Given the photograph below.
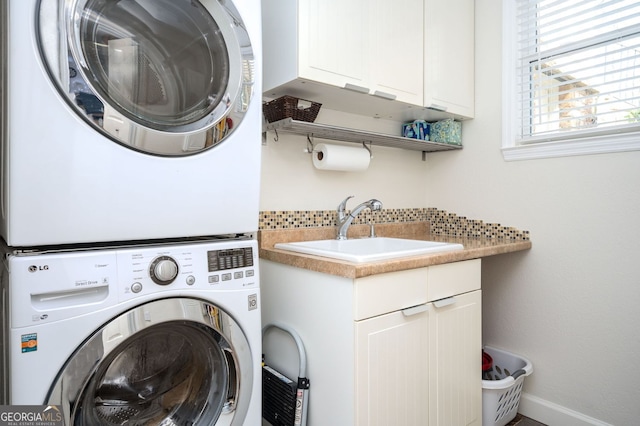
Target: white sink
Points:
(369, 249)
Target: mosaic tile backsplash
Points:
(442, 222)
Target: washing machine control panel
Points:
(53, 286)
(215, 266)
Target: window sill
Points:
(595, 145)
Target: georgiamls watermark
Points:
(31, 415)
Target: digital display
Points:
(220, 260)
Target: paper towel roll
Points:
(340, 158)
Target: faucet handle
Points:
(342, 207)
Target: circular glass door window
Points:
(168, 362)
(163, 374)
(167, 77)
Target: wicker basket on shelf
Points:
(290, 106)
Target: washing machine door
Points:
(165, 77)
(175, 362)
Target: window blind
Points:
(578, 68)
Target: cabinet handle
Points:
(355, 88)
(444, 302)
(384, 95)
(437, 107)
(414, 310)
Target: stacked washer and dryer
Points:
(130, 172)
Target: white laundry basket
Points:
(502, 386)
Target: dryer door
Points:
(167, 77)
(172, 361)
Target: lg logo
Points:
(34, 268)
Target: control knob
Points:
(163, 270)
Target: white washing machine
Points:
(129, 120)
(153, 335)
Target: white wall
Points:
(572, 303)
(290, 182)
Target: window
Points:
(571, 76)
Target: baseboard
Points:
(553, 414)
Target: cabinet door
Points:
(334, 40)
(392, 374)
(456, 367)
(396, 51)
(449, 56)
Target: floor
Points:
(521, 420)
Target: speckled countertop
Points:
(473, 248)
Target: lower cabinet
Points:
(402, 348)
(392, 369)
(455, 358)
(421, 363)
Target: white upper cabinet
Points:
(396, 40)
(333, 42)
(354, 44)
(449, 56)
(372, 57)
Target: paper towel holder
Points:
(368, 148)
(310, 147)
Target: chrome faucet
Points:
(344, 219)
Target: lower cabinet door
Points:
(392, 368)
(456, 361)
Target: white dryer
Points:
(129, 120)
(162, 334)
